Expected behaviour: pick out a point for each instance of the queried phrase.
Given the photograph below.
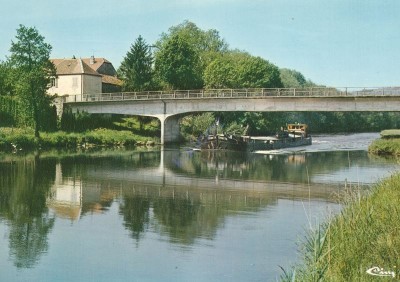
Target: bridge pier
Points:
(170, 132)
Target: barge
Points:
(294, 135)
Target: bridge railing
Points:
(236, 93)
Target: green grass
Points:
(365, 234)
(390, 133)
(147, 127)
(17, 139)
(385, 147)
(11, 138)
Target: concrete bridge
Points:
(170, 106)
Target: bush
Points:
(17, 138)
(109, 137)
(61, 140)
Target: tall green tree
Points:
(294, 79)
(257, 72)
(137, 67)
(238, 69)
(178, 64)
(221, 73)
(207, 43)
(6, 84)
(8, 103)
(30, 60)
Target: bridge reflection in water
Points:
(206, 178)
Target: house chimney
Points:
(92, 61)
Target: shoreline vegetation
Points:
(362, 242)
(364, 236)
(17, 139)
(388, 145)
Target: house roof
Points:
(73, 66)
(109, 79)
(95, 63)
(83, 66)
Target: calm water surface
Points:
(171, 215)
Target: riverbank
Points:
(17, 139)
(389, 144)
(364, 236)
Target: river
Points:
(173, 214)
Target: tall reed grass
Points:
(385, 147)
(365, 234)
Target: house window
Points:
(54, 82)
(74, 82)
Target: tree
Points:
(30, 61)
(206, 43)
(220, 73)
(256, 72)
(8, 103)
(178, 64)
(196, 124)
(137, 67)
(6, 85)
(294, 79)
(238, 69)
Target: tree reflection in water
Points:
(135, 212)
(179, 217)
(183, 214)
(23, 192)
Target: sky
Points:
(338, 43)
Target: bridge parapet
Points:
(235, 93)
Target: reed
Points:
(385, 147)
(365, 234)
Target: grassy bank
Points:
(364, 235)
(385, 147)
(12, 139)
(389, 144)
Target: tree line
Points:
(187, 57)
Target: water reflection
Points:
(135, 210)
(301, 167)
(23, 196)
(65, 196)
(181, 195)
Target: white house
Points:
(84, 76)
(110, 82)
(74, 77)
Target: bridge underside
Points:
(168, 110)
